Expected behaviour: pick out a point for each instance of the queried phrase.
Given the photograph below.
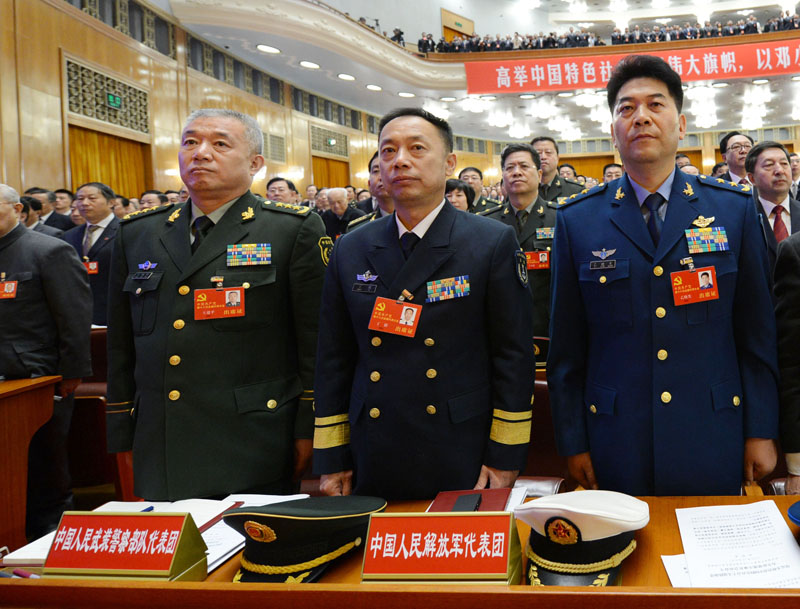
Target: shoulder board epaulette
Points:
(724, 184)
(573, 182)
(553, 204)
(287, 208)
(584, 194)
(141, 213)
(491, 210)
(361, 219)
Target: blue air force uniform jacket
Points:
(662, 396)
(415, 416)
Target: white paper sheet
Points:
(676, 569)
(739, 546)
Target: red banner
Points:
(723, 62)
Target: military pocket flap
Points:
(599, 399)
(727, 394)
(141, 282)
(253, 275)
(26, 276)
(269, 395)
(468, 405)
(595, 269)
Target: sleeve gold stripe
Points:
(119, 411)
(119, 403)
(330, 437)
(512, 416)
(510, 433)
(332, 420)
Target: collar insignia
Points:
(540, 210)
(688, 190)
(620, 194)
(249, 214)
(174, 215)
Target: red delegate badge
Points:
(394, 317)
(694, 286)
(218, 303)
(538, 260)
(8, 289)
(91, 267)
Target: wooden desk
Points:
(646, 583)
(25, 405)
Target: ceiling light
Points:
(527, 96)
(344, 76)
(720, 85)
(447, 99)
(488, 97)
(795, 77)
(374, 88)
(566, 94)
(310, 65)
(760, 81)
(406, 94)
(265, 48)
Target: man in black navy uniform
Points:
(449, 407)
(627, 347)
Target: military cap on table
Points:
(295, 541)
(580, 538)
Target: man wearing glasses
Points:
(734, 148)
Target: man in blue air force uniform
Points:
(649, 397)
(403, 416)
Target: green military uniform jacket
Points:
(213, 406)
(559, 189)
(483, 204)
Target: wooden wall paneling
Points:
(301, 150)
(319, 168)
(487, 163)
(588, 165)
(330, 173)
(10, 171)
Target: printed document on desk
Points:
(739, 546)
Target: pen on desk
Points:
(26, 574)
(149, 508)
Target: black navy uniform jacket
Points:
(100, 252)
(787, 295)
(213, 406)
(415, 416)
(559, 189)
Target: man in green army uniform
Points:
(214, 399)
(379, 194)
(474, 177)
(533, 219)
(552, 186)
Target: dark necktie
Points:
(87, 238)
(202, 226)
(522, 218)
(408, 242)
(653, 202)
(779, 227)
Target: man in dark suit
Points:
(552, 187)
(404, 413)
(49, 215)
(700, 413)
(533, 220)
(385, 205)
(734, 147)
(787, 297)
(29, 216)
(94, 242)
(210, 403)
(45, 308)
(769, 168)
(340, 214)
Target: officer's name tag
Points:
(91, 267)
(546, 232)
(249, 254)
(395, 317)
(538, 260)
(446, 289)
(218, 303)
(602, 265)
(365, 288)
(694, 286)
(711, 239)
(8, 289)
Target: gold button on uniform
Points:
(376, 341)
(375, 376)
(174, 395)
(429, 342)
(661, 312)
(736, 400)
(183, 290)
(175, 360)
(662, 354)
(593, 409)
(602, 279)
(666, 397)
(431, 373)
(178, 324)
(138, 291)
(272, 404)
(430, 409)
(246, 285)
(658, 271)
(374, 413)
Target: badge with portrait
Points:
(218, 303)
(699, 285)
(395, 317)
(538, 260)
(8, 289)
(91, 267)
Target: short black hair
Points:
(124, 201)
(453, 184)
(64, 191)
(372, 158)
(171, 192)
(723, 143)
(570, 166)
(791, 154)
(51, 196)
(441, 125)
(644, 66)
(512, 148)
(706, 273)
(475, 169)
(682, 155)
(105, 190)
(289, 183)
(716, 167)
(151, 192)
(545, 138)
(610, 165)
(30, 203)
(752, 156)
